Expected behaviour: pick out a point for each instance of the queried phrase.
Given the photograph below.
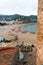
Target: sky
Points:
(23, 7)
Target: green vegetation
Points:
(3, 24)
(20, 18)
(16, 16)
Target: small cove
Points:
(30, 27)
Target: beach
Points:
(18, 36)
(10, 31)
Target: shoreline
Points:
(19, 24)
(9, 32)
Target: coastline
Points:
(10, 31)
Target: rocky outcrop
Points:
(40, 33)
(8, 55)
(30, 58)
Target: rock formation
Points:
(40, 33)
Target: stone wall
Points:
(40, 33)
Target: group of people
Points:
(27, 48)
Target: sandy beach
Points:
(10, 31)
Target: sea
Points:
(30, 27)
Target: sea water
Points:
(30, 27)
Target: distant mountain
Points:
(16, 16)
(24, 19)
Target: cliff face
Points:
(40, 33)
(8, 56)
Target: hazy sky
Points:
(23, 7)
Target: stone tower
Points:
(40, 33)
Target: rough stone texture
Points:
(30, 58)
(40, 33)
(8, 56)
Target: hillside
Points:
(9, 19)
